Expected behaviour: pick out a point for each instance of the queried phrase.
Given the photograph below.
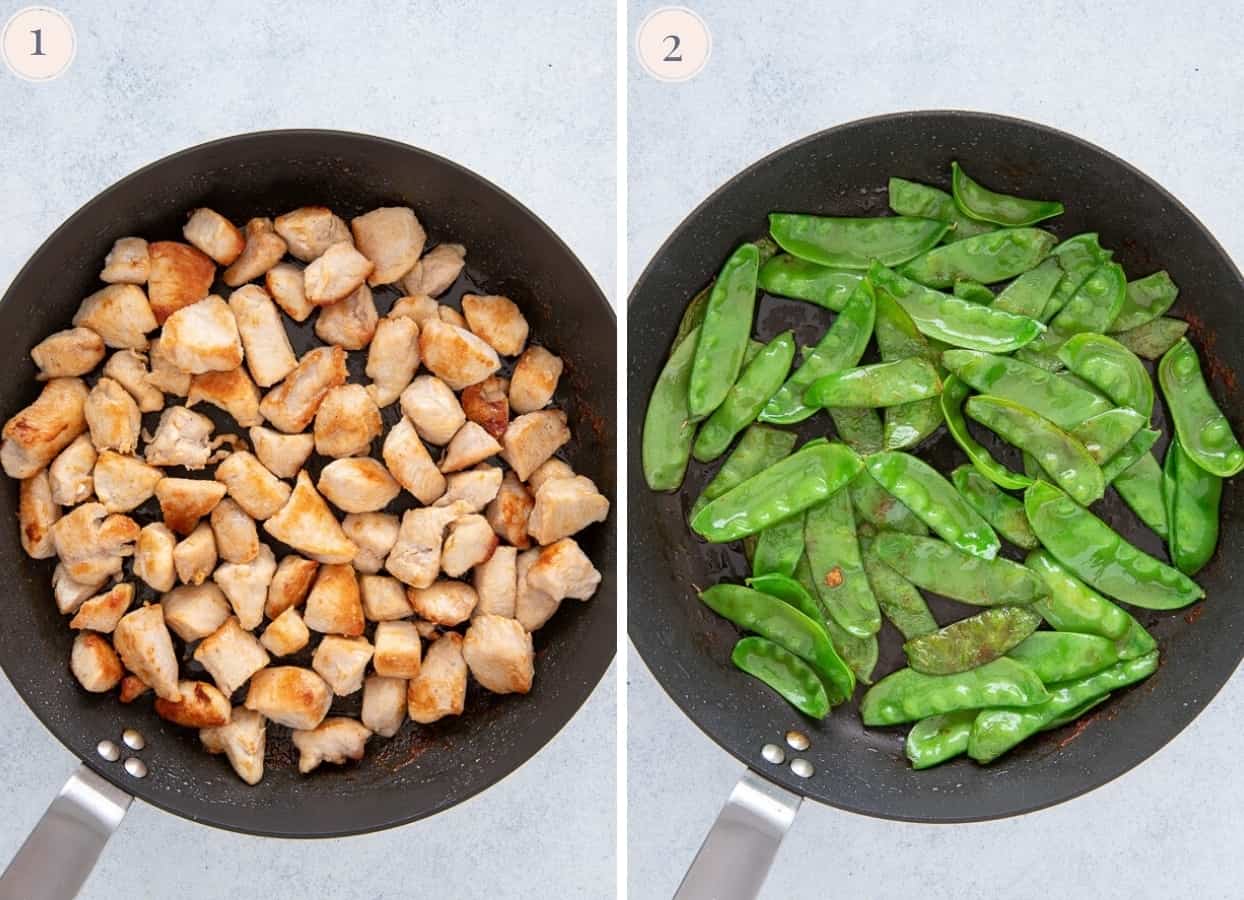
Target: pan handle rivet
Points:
(108, 750)
(136, 767)
(798, 740)
(773, 753)
(801, 767)
(133, 739)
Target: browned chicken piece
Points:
(153, 556)
(486, 404)
(351, 322)
(214, 235)
(445, 602)
(510, 511)
(307, 525)
(231, 655)
(336, 274)
(112, 417)
(347, 422)
(384, 704)
(34, 436)
(264, 249)
(243, 740)
(290, 695)
(102, 613)
(547, 471)
(470, 542)
(257, 490)
(128, 262)
(398, 650)
(194, 557)
(132, 687)
(476, 487)
(180, 275)
(439, 689)
(123, 483)
(286, 634)
(336, 740)
(341, 661)
(532, 606)
(565, 506)
(281, 454)
(335, 605)
(410, 463)
(436, 270)
(384, 598)
(375, 534)
(71, 474)
(182, 438)
(194, 611)
(455, 355)
(498, 320)
(429, 631)
(451, 316)
(120, 314)
(471, 445)
(70, 594)
(290, 585)
(532, 438)
(65, 354)
(237, 538)
(496, 583)
(164, 373)
(419, 307)
(392, 238)
(201, 706)
(267, 349)
(499, 653)
(358, 485)
(292, 404)
(94, 663)
(183, 501)
(37, 512)
(285, 285)
(392, 359)
(91, 543)
(246, 586)
(202, 337)
(310, 230)
(433, 409)
(534, 380)
(146, 648)
(128, 368)
(563, 570)
(232, 391)
(416, 556)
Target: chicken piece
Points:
(70, 594)
(310, 230)
(398, 649)
(416, 556)
(486, 404)
(123, 483)
(410, 463)
(164, 373)
(336, 740)
(341, 661)
(384, 704)
(267, 349)
(532, 438)
(548, 470)
(497, 320)
(257, 490)
(180, 276)
(471, 445)
(290, 695)
(202, 337)
(237, 538)
(392, 238)
(375, 534)
(471, 541)
(129, 369)
(306, 524)
(419, 307)
(194, 611)
(293, 579)
(214, 235)
(358, 485)
(243, 740)
(292, 404)
(120, 314)
(71, 474)
(510, 511)
(563, 570)
(476, 487)
(146, 648)
(34, 436)
(201, 706)
(103, 612)
(183, 501)
(499, 653)
(534, 380)
(565, 506)
(429, 631)
(232, 391)
(285, 284)
(347, 422)
(246, 586)
(445, 602)
(451, 316)
(281, 454)
(194, 557)
(91, 543)
(286, 634)
(439, 689)
(68, 353)
(231, 655)
(153, 556)
(112, 417)
(128, 262)
(132, 687)
(436, 270)
(433, 409)
(36, 514)
(496, 583)
(94, 663)
(182, 438)
(392, 359)
(336, 274)
(532, 607)
(455, 355)
(264, 249)
(384, 598)
(350, 322)
(334, 605)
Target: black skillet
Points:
(424, 769)
(843, 171)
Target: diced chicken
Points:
(350, 322)
(257, 490)
(451, 316)
(496, 583)
(164, 373)
(392, 359)
(153, 556)
(91, 543)
(429, 631)
(532, 438)
(180, 275)
(70, 594)
(565, 506)
(243, 741)
(476, 487)
(563, 570)
(123, 483)
(264, 249)
(392, 238)
(347, 422)
(433, 409)
(306, 524)
(129, 369)
(341, 661)
(416, 556)
(34, 436)
(128, 262)
(499, 653)
(286, 634)
(214, 235)
(384, 704)
(290, 585)
(439, 689)
(290, 695)
(375, 534)
(510, 511)
(534, 380)
(183, 501)
(112, 417)
(336, 274)
(194, 611)
(398, 650)
(202, 337)
(285, 284)
(486, 404)
(233, 391)
(146, 648)
(64, 354)
(231, 655)
(194, 557)
(310, 230)
(384, 598)
(444, 602)
(532, 607)
(292, 404)
(470, 542)
(71, 474)
(436, 270)
(120, 314)
(498, 321)
(246, 586)
(281, 454)
(471, 445)
(237, 538)
(455, 355)
(411, 464)
(94, 663)
(268, 352)
(182, 438)
(334, 605)
(132, 687)
(358, 485)
(419, 307)
(201, 706)
(336, 740)
(548, 470)
(103, 612)
(37, 512)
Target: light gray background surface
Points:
(470, 80)
(1159, 86)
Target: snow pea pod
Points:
(986, 258)
(1203, 430)
(1078, 256)
(725, 332)
(860, 654)
(1075, 713)
(692, 318)
(1140, 444)
(1099, 555)
(669, 428)
(858, 427)
(928, 494)
(1028, 294)
(779, 547)
(908, 695)
(1062, 402)
(973, 292)
(758, 448)
(1107, 433)
(876, 385)
(878, 507)
(954, 393)
(758, 381)
(788, 589)
(1140, 486)
(978, 202)
(1192, 498)
(898, 338)
(853, 243)
(971, 642)
(899, 599)
(1093, 306)
(999, 509)
(936, 739)
(837, 570)
(1065, 655)
(1151, 340)
(1111, 368)
(911, 198)
(937, 566)
(790, 276)
(788, 675)
(1147, 298)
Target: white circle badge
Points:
(673, 43)
(38, 43)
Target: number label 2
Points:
(675, 42)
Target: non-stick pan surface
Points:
(843, 171)
(423, 769)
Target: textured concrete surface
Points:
(1159, 87)
(496, 92)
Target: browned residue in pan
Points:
(1196, 613)
(1077, 730)
(1207, 338)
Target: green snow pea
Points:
(1068, 717)
(1147, 298)
(792, 678)
(725, 332)
(954, 393)
(878, 507)
(1028, 294)
(669, 428)
(758, 381)
(876, 385)
(692, 318)
(1107, 433)
(971, 642)
(786, 588)
(779, 547)
(858, 427)
(911, 198)
(860, 654)
(837, 570)
(1140, 444)
(790, 276)
(928, 494)
(1079, 257)
(898, 598)
(1203, 430)
(840, 347)
(908, 695)
(1001, 510)
(1152, 339)
(936, 739)
(972, 291)
(758, 448)
(1058, 656)
(1110, 368)
(1140, 486)
(1099, 555)
(853, 243)
(1061, 401)
(1091, 308)
(1192, 497)
(986, 258)
(898, 338)
(985, 205)
(937, 566)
